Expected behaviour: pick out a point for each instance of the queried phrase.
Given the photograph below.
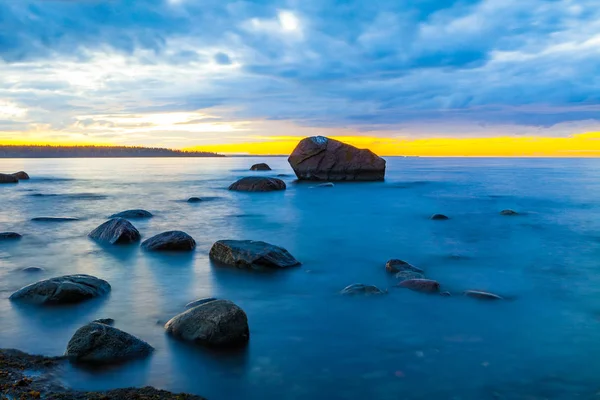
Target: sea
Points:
(542, 341)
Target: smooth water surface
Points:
(307, 341)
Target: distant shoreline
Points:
(14, 151)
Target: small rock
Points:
(439, 217)
(62, 290)
(446, 294)
(105, 321)
(170, 241)
(194, 200)
(9, 236)
(54, 219)
(33, 269)
(405, 275)
(21, 175)
(359, 288)
(116, 231)
(6, 178)
(199, 302)
(251, 254)
(509, 212)
(133, 214)
(218, 323)
(326, 185)
(476, 294)
(395, 266)
(421, 285)
(101, 343)
(258, 184)
(260, 167)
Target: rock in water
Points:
(509, 212)
(260, 167)
(170, 241)
(5, 178)
(21, 175)
(218, 323)
(33, 269)
(198, 302)
(116, 231)
(359, 288)
(325, 185)
(251, 254)
(476, 294)
(54, 219)
(194, 200)
(133, 214)
(62, 290)
(405, 275)
(101, 343)
(421, 285)
(439, 217)
(323, 159)
(394, 266)
(258, 184)
(9, 236)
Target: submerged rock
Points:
(54, 219)
(219, 323)
(439, 217)
(258, 184)
(10, 236)
(359, 288)
(260, 167)
(62, 290)
(394, 266)
(170, 241)
(326, 185)
(421, 285)
(21, 175)
(133, 214)
(116, 231)
(251, 254)
(405, 275)
(194, 200)
(509, 212)
(198, 302)
(323, 159)
(476, 294)
(101, 343)
(6, 178)
(33, 269)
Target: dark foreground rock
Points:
(323, 159)
(258, 184)
(6, 178)
(116, 231)
(251, 254)
(62, 290)
(21, 175)
(133, 214)
(170, 241)
(25, 376)
(260, 167)
(54, 219)
(509, 213)
(199, 302)
(102, 343)
(10, 236)
(394, 266)
(421, 285)
(218, 323)
(359, 288)
(476, 294)
(439, 217)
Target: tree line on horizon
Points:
(51, 151)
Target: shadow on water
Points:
(118, 252)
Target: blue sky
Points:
(187, 72)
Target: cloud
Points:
(399, 68)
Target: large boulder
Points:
(62, 290)
(9, 236)
(170, 241)
(218, 323)
(101, 343)
(21, 175)
(323, 159)
(260, 167)
(116, 231)
(251, 254)
(133, 214)
(6, 178)
(258, 184)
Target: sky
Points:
(402, 77)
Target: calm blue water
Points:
(306, 340)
